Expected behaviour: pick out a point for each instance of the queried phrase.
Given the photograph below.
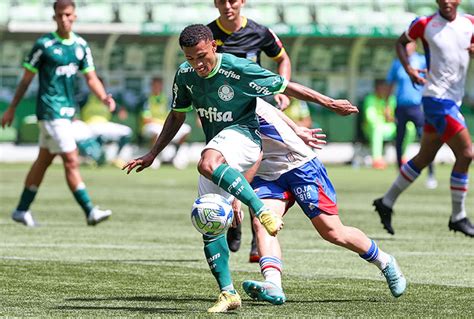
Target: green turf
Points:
(148, 259)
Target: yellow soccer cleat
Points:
(226, 302)
(271, 221)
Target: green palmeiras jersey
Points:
(227, 96)
(58, 61)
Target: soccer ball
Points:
(212, 214)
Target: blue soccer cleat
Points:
(264, 291)
(395, 279)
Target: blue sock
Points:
(376, 256)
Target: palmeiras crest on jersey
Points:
(226, 93)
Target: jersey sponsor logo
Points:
(213, 116)
(190, 88)
(67, 111)
(79, 53)
(226, 93)
(49, 43)
(304, 192)
(229, 74)
(260, 89)
(58, 51)
(186, 70)
(67, 70)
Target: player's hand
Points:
(471, 49)
(416, 75)
(8, 117)
(238, 213)
(110, 102)
(140, 163)
(343, 107)
(312, 136)
(282, 101)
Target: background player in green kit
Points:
(57, 57)
(224, 90)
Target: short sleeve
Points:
(181, 100)
(33, 60)
(261, 82)
(87, 62)
(272, 45)
(416, 29)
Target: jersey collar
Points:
(69, 41)
(217, 67)
(219, 24)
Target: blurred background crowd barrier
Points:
(336, 47)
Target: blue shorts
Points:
(308, 184)
(442, 117)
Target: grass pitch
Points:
(147, 261)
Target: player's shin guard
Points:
(27, 197)
(82, 197)
(408, 173)
(235, 183)
(459, 183)
(376, 256)
(217, 256)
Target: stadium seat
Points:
(133, 13)
(33, 11)
(266, 14)
(95, 12)
(4, 11)
(298, 14)
(331, 15)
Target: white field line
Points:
(181, 247)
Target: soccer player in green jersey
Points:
(57, 57)
(246, 38)
(224, 90)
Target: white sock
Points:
(459, 183)
(408, 174)
(271, 269)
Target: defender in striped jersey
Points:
(289, 172)
(448, 38)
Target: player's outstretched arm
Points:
(9, 114)
(97, 87)
(414, 74)
(301, 92)
(173, 122)
(312, 137)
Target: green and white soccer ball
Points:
(212, 214)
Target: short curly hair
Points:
(193, 34)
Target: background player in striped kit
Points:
(448, 39)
